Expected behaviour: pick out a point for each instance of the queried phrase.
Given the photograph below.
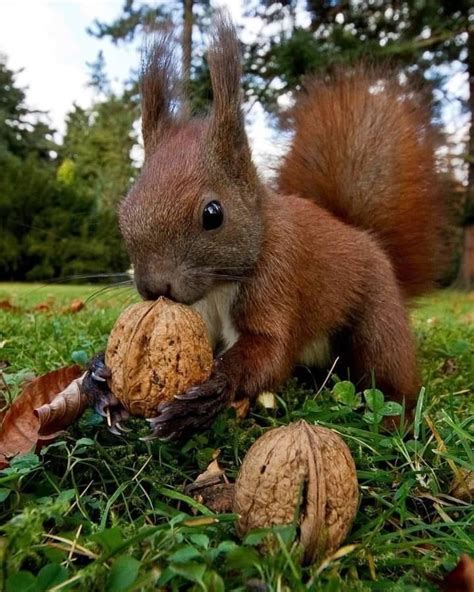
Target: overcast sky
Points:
(49, 41)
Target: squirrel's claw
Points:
(192, 411)
(104, 402)
(97, 377)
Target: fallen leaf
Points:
(7, 305)
(20, 425)
(212, 488)
(64, 409)
(213, 474)
(241, 407)
(42, 307)
(461, 579)
(462, 486)
(218, 498)
(76, 305)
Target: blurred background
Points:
(70, 144)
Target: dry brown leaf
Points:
(461, 579)
(219, 497)
(7, 305)
(20, 425)
(76, 305)
(213, 474)
(64, 409)
(42, 307)
(212, 488)
(241, 407)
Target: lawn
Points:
(94, 511)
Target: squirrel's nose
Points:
(153, 291)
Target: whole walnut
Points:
(156, 350)
(304, 473)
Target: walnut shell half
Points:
(304, 473)
(156, 350)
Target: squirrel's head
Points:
(193, 218)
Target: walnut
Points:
(156, 350)
(304, 473)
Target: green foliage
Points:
(23, 133)
(110, 513)
(99, 141)
(58, 203)
(427, 40)
(416, 35)
(134, 19)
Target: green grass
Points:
(98, 512)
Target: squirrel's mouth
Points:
(184, 292)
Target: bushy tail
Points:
(364, 150)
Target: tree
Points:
(416, 35)
(96, 163)
(27, 163)
(99, 141)
(141, 18)
(57, 204)
(427, 40)
(22, 131)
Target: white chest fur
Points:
(215, 309)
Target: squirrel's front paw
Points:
(193, 411)
(100, 397)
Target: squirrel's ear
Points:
(158, 89)
(227, 129)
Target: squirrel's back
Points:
(364, 150)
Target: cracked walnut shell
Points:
(156, 350)
(301, 473)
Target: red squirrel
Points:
(319, 267)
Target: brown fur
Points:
(318, 276)
(316, 262)
(364, 150)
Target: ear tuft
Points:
(224, 58)
(227, 128)
(158, 87)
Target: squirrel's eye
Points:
(212, 216)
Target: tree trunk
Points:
(467, 264)
(187, 40)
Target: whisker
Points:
(104, 289)
(119, 294)
(71, 278)
(132, 297)
(220, 276)
(228, 267)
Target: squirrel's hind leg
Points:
(382, 348)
